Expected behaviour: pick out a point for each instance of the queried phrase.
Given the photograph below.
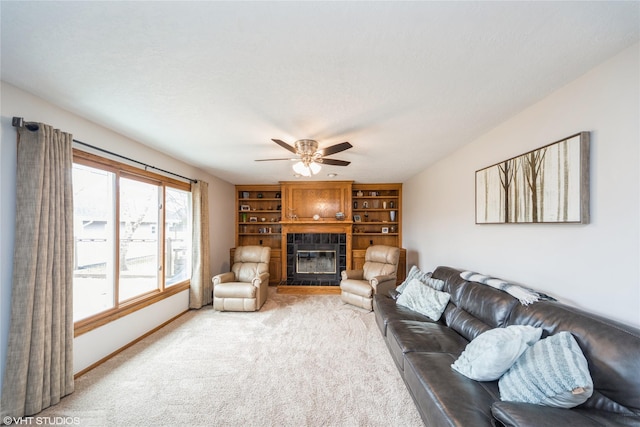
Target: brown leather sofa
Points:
(424, 350)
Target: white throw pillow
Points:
(425, 278)
(414, 273)
(423, 299)
(552, 372)
(492, 353)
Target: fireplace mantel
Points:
(320, 226)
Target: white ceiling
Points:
(211, 83)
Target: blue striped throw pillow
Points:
(552, 372)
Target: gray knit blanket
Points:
(526, 296)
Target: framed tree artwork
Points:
(546, 185)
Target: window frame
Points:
(131, 305)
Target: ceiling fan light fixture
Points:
(306, 169)
(310, 157)
(301, 169)
(315, 168)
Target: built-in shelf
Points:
(265, 214)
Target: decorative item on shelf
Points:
(391, 205)
(243, 217)
(316, 217)
(263, 219)
(376, 204)
(359, 194)
(355, 204)
(393, 229)
(278, 195)
(366, 216)
(245, 208)
(253, 219)
(365, 205)
(259, 195)
(384, 205)
(245, 194)
(385, 230)
(340, 216)
(292, 216)
(392, 215)
(357, 218)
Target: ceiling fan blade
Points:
(269, 160)
(333, 162)
(285, 145)
(335, 148)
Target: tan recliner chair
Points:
(245, 287)
(377, 276)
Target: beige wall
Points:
(594, 266)
(100, 342)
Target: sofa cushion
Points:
(423, 299)
(386, 310)
(528, 415)
(405, 336)
(487, 304)
(552, 372)
(356, 287)
(235, 290)
(445, 397)
(454, 285)
(492, 353)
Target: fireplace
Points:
(315, 258)
(314, 261)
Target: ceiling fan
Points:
(310, 157)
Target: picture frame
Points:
(357, 218)
(245, 194)
(253, 219)
(547, 185)
(385, 230)
(245, 208)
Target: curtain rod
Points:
(33, 126)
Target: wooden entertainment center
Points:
(267, 214)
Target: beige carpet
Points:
(300, 361)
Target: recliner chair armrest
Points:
(262, 278)
(352, 274)
(383, 284)
(223, 277)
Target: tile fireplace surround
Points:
(323, 245)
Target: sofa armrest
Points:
(352, 274)
(383, 284)
(223, 278)
(260, 279)
(529, 415)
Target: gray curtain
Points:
(201, 289)
(39, 366)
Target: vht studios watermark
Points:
(41, 421)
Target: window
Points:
(132, 235)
